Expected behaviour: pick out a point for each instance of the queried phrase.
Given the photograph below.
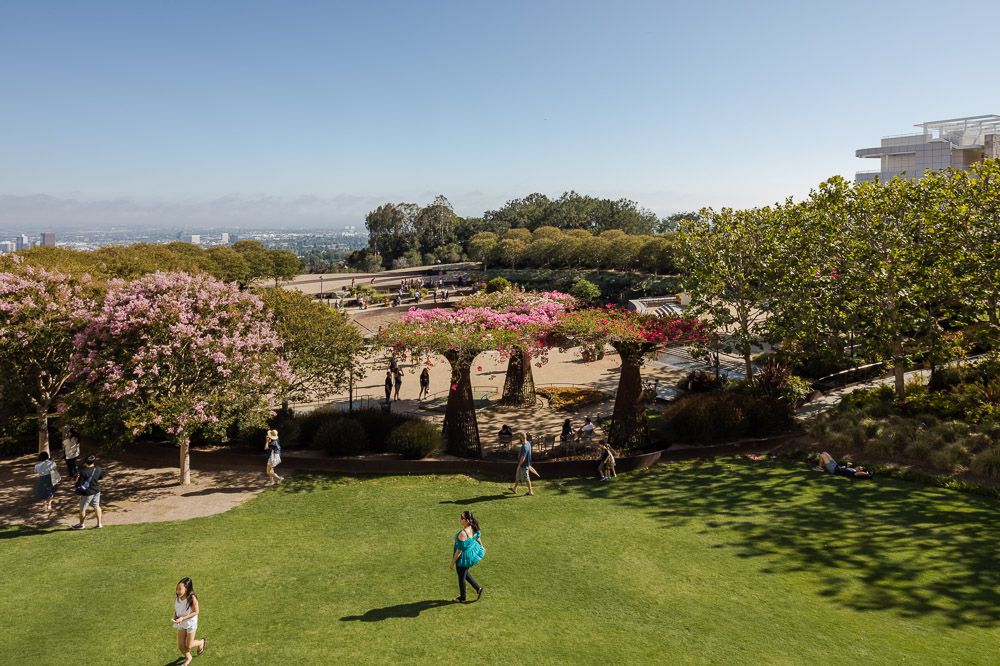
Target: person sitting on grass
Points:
(828, 464)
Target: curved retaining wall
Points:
(554, 469)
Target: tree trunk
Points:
(629, 425)
(519, 386)
(43, 429)
(185, 463)
(461, 430)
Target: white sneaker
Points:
(280, 479)
(268, 484)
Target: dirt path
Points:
(132, 492)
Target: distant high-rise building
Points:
(234, 238)
(225, 238)
(48, 239)
(194, 239)
(7, 246)
(957, 143)
(22, 242)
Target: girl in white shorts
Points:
(186, 619)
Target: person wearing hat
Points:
(273, 457)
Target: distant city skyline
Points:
(262, 115)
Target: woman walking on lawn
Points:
(186, 619)
(468, 551)
(273, 457)
(46, 484)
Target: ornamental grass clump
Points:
(415, 440)
(986, 463)
(949, 457)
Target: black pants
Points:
(465, 575)
(71, 466)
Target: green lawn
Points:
(734, 562)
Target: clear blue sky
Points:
(312, 113)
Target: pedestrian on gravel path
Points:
(46, 483)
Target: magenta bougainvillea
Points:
(632, 334)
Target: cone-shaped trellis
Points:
(629, 430)
(634, 336)
(461, 430)
(519, 386)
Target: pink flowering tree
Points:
(542, 310)
(185, 354)
(40, 314)
(635, 337)
(459, 336)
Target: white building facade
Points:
(957, 143)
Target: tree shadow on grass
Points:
(875, 545)
(476, 500)
(412, 609)
(16, 531)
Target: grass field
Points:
(724, 562)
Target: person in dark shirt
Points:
(90, 495)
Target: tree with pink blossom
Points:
(459, 336)
(41, 312)
(635, 337)
(185, 354)
(544, 308)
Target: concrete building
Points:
(22, 242)
(225, 238)
(195, 239)
(957, 143)
(48, 239)
(7, 246)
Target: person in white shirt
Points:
(186, 619)
(71, 449)
(586, 430)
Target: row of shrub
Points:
(614, 287)
(872, 421)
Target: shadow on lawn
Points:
(876, 545)
(476, 500)
(400, 610)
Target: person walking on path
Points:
(425, 383)
(186, 619)
(398, 382)
(388, 386)
(71, 450)
(522, 474)
(88, 487)
(45, 469)
(468, 551)
(273, 449)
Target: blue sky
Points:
(312, 113)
